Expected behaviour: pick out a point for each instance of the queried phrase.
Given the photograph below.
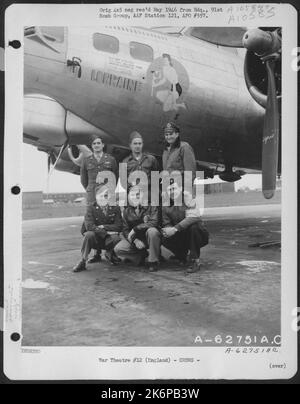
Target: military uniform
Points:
(146, 163)
(144, 221)
(89, 170)
(179, 157)
(101, 238)
(191, 232)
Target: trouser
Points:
(97, 242)
(191, 239)
(124, 249)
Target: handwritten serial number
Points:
(251, 350)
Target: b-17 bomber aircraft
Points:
(221, 85)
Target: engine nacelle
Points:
(67, 166)
(44, 121)
(48, 126)
(63, 164)
(48, 123)
(77, 153)
(261, 44)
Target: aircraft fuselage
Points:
(146, 78)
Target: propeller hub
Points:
(263, 43)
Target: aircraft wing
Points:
(223, 36)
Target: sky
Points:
(35, 174)
(35, 177)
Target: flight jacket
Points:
(179, 157)
(147, 218)
(180, 217)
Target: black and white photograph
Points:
(155, 166)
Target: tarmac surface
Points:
(236, 292)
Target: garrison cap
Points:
(134, 135)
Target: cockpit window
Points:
(54, 34)
(106, 43)
(141, 51)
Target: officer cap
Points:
(170, 128)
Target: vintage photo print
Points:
(150, 191)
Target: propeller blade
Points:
(270, 135)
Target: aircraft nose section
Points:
(258, 41)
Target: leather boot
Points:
(111, 257)
(153, 266)
(95, 258)
(81, 266)
(194, 266)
